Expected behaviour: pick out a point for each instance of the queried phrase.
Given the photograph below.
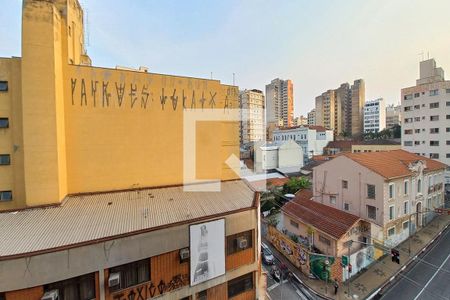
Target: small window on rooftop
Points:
(5, 159)
(4, 123)
(5, 196)
(370, 191)
(3, 86)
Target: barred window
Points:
(240, 285)
(132, 274)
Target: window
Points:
(434, 143)
(344, 184)
(240, 285)
(132, 274)
(391, 212)
(346, 206)
(447, 103)
(448, 117)
(370, 191)
(416, 95)
(447, 155)
(405, 207)
(434, 155)
(408, 120)
(434, 118)
(434, 105)
(405, 187)
(333, 199)
(434, 130)
(408, 97)
(447, 91)
(408, 131)
(294, 224)
(391, 231)
(82, 288)
(4, 123)
(419, 185)
(434, 92)
(324, 240)
(407, 143)
(5, 196)
(391, 190)
(5, 159)
(447, 142)
(405, 225)
(407, 108)
(3, 86)
(234, 242)
(416, 119)
(202, 295)
(416, 130)
(371, 212)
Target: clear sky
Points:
(317, 44)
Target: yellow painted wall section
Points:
(42, 102)
(124, 129)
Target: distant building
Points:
(312, 139)
(393, 116)
(300, 121)
(376, 146)
(342, 109)
(280, 102)
(312, 117)
(252, 126)
(396, 191)
(278, 155)
(336, 147)
(374, 116)
(426, 115)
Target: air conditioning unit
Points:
(184, 254)
(50, 295)
(114, 279)
(242, 242)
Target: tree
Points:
(397, 131)
(295, 184)
(345, 134)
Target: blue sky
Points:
(317, 44)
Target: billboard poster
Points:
(207, 246)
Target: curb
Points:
(310, 289)
(386, 284)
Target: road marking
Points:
(432, 277)
(272, 286)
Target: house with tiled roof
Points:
(397, 191)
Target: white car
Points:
(267, 256)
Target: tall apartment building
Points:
(341, 110)
(374, 115)
(252, 127)
(312, 117)
(426, 115)
(393, 115)
(280, 102)
(93, 201)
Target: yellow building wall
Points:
(374, 148)
(124, 129)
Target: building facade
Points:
(374, 116)
(396, 191)
(312, 139)
(301, 121)
(426, 115)
(92, 156)
(376, 146)
(277, 155)
(342, 109)
(280, 102)
(393, 116)
(312, 117)
(252, 127)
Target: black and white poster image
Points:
(207, 243)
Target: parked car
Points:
(267, 256)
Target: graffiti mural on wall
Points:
(96, 93)
(149, 290)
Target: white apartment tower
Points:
(426, 115)
(252, 127)
(280, 102)
(374, 116)
(312, 117)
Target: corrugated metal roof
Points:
(83, 218)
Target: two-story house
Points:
(397, 191)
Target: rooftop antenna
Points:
(421, 55)
(234, 79)
(211, 75)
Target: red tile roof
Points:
(392, 164)
(327, 219)
(343, 145)
(261, 185)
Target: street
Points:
(429, 278)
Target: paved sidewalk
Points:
(366, 283)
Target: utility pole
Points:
(348, 273)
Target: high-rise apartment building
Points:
(426, 115)
(252, 127)
(342, 109)
(301, 121)
(374, 116)
(102, 175)
(280, 102)
(312, 117)
(393, 115)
